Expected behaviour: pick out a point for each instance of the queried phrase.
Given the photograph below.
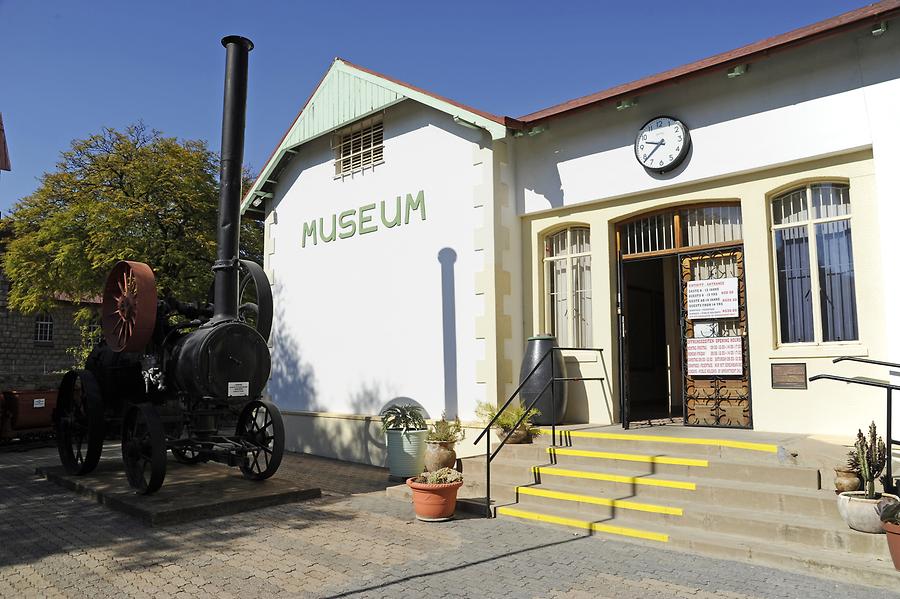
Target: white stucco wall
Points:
(797, 112)
(814, 101)
(374, 317)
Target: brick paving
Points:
(353, 542)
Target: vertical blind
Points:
(821, 237)
(697, 226)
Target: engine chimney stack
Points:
(226, 266)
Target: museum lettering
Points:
(365, 219)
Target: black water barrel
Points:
(534, 350)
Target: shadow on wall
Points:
(292, 384)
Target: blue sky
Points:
(69, 68)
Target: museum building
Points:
(720, 231)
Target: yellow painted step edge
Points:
(616, 503)
(628, 457)
(595, 526)
(616, 478)
(767, 447)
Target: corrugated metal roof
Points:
(4, 151)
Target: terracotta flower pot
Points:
(893, 539)
(846, 480)
(434, 503)
(859, 513)
(439, 454)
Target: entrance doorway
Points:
(654, 340)
(682, 318)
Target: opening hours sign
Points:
(715, 356)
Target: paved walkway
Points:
(56, 544)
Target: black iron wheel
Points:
(187, 455)
(261, 430)
(79, 423)
(144, 448)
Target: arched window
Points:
(567, 283)
(814, 275)
(43, 328)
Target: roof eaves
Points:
(847, 21)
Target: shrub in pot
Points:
(503, 426)
(890, 521)
(405, 431)
(434, 494)
(859, 509)
(440, 451)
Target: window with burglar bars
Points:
(815, 281)
(675, 229)
(43, 328)
(358, 147)
(567, 281)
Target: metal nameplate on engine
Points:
(39, 402)
(241, 389)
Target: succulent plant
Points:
(448, 431)
(403, 417)
(439, 477)
(868, 458)
(509, 417)
(888, 510)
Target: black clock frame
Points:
(685, 148)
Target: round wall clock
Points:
(662, 143)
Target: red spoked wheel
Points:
(129, 306)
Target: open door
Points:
(714, 337)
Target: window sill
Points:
(43, 344)
(831, 350)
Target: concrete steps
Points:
(725, 497)
(848, 567)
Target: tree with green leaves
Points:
(119, 195)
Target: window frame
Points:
(338, 141)
(816, 291)
(570, 259)
(43, 321)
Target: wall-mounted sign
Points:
(789, 376)
(363, 220)
(712, 298)
(716, 356)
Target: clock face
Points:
(661, 144)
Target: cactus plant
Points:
(868, 459)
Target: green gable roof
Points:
(346, 94)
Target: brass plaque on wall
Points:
(789, 376)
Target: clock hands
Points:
(659, 143)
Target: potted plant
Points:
(405, 430)
(859, 508)
(434, 494)
(503, 426)
(441, 442)
(890, 521)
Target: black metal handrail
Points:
(889, 486)
(489, 456)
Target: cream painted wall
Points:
(364, 320)
(825, 407)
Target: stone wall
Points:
(29, 364)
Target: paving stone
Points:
(353, 542)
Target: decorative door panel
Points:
(716, 364)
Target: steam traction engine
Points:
(182, 377)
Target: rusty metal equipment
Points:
(185, 378)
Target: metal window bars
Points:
(489, 456)
(889, 486)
